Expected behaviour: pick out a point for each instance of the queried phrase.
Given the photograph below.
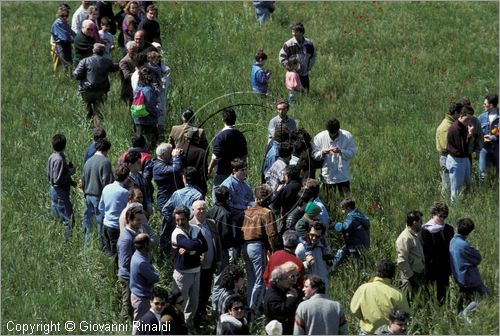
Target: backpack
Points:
(138, 108)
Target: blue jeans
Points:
(62, 208)
(263, 13)
(92, 212)
(291, 96)
(342, 254)
(487, 157)
(255, 261)
(217, 290)
(445, 174)
(459, 169)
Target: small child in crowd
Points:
(106, 37)
(259, 77)
(292, 79)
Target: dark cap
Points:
(188, 115)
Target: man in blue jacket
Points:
(464, 260)
(135, 217)
(143, 276)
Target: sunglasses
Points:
(63, 16)
(238, 308)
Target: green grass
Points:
(387, 71)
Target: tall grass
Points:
(387, 71)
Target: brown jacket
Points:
(177, 137)
(259, 224)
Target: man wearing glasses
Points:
(150, 323)
(310, 252)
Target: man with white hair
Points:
(127, 68)
(84, 41)
(211, 259)
(92, 72)
(281, 299)
(167, 172)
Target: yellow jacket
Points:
(442, 133)
(373, 301)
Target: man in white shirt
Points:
(335, 147)
(79, 16)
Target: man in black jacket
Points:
(94, 83)
(281, 299)
(287, 198)
(150, 323)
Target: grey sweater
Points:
(320, 316)
(97, 173)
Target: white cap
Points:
(274, 328)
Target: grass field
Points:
(388, 71)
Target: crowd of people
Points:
(272, 238)
(460, 136)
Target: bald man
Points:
(143, 46)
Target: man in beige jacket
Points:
(411, 260)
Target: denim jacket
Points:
(486, 126)
(259, 79)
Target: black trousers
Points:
(304, 80)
